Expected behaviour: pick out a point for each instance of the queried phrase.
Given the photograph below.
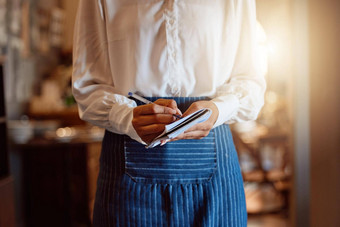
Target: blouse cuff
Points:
(131, 130)
(121, 116)
(227, 106)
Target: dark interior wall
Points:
(324, 21)
(3, 139)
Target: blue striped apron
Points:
(183, 183)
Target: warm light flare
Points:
(65, 132)
(272, 48)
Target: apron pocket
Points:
(178, 162)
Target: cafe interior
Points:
(289, 156)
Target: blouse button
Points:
(174, 91)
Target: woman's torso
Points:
(174, 48)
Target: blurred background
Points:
(290, 156)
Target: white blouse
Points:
(168, 48)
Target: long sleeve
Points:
(165, 51)
(93, 87)
(242, 96)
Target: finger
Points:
(150, 129)
(204, 126)
(193, 135)
(204, 104)
(178, 112)
(163, 142)
(175, 139)
(192, 108)
(152, 109)
(153, 119)
(169, 103)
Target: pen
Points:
(140, 98)
(145, 101)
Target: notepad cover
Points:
(178, 127)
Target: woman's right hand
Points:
(149, 120)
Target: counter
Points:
(56, 177)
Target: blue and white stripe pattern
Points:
(178, 162)
(151, 189)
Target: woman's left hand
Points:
(200, 130)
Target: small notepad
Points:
(178, 127)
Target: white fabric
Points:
(165, 48)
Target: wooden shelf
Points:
(68, 116)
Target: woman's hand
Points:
(149, 120)
(200, 130)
